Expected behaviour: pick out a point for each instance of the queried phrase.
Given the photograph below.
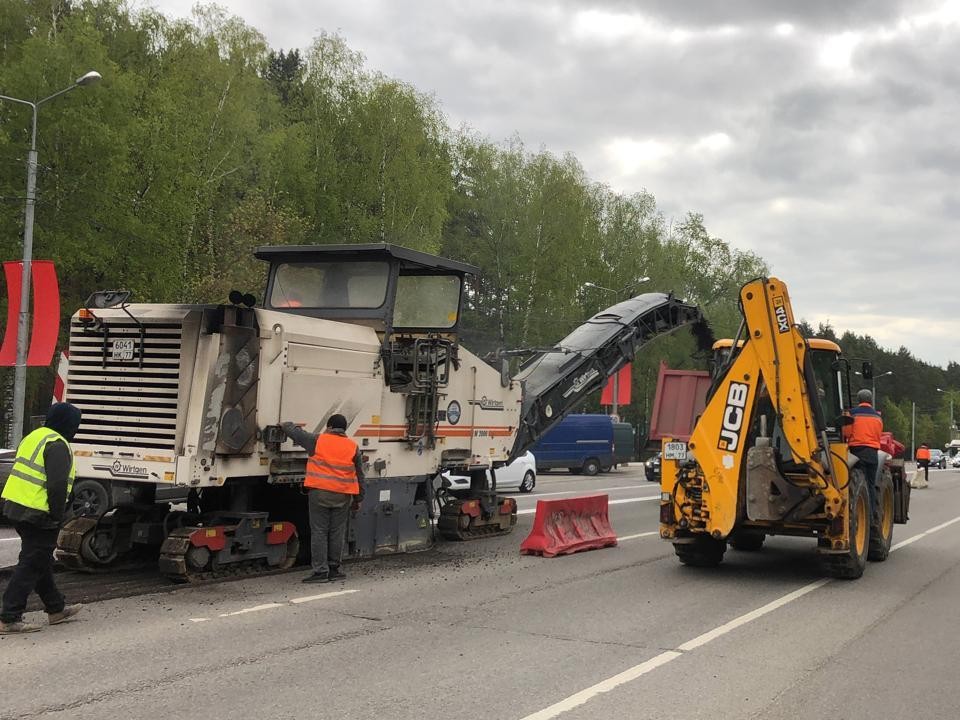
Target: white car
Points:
(956, 461)
(520, 475)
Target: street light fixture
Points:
(636, 282)
(873, 383)
(23, 320)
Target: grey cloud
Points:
(865, 162)
(834, 14)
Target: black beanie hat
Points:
(337, 422)
(64, 418)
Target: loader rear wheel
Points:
(704, 551)
(881, 524)
(849, 565)
(746, 541)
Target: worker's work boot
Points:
(317, 577)
(68, 612)
(336, 573)
(15, 628)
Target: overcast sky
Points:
(823, 134)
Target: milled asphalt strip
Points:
(271, 606)
(530, 511)
(324, 596)
(584, 696)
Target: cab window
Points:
(427, 301)
(829, 390)
(361, 285)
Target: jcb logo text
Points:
(733, 415)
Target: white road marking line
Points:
(906, 542)
(936, 528)
(255, 608)
(530, 511)
(638, 535)
(751, 616)
(271, 606)
(584, 696)
(311, 598)
(663, 658)
(16, 539)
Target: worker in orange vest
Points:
(335, 481)
(923, 460)
(863, 440)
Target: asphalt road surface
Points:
(476, 630)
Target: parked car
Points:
(520, 475)
(956, 461)
(938, 459)
(652, 468)
(582, 443)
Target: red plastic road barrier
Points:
(561, 527)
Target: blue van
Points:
(580, 443)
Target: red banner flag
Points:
(46, 313)
(624, 381)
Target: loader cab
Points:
(832, 392)
(832, 383)
(413, 301)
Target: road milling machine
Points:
(181, 404)
(768, 457)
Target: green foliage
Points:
(202, 143)
(912, 382)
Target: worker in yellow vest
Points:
(335, 481)
(35, 499)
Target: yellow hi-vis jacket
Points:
(27, 484)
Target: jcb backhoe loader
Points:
(768, 456)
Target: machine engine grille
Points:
(126, 402)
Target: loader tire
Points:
(703, 552)
(881, 523)
(747, 541)
(849, 565)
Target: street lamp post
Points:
(949, 394)
(23, 320)
(913, 430)
(616, 376)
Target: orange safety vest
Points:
(331, 465)
(866, 428)
(923, 453)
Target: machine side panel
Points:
(719, 440)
